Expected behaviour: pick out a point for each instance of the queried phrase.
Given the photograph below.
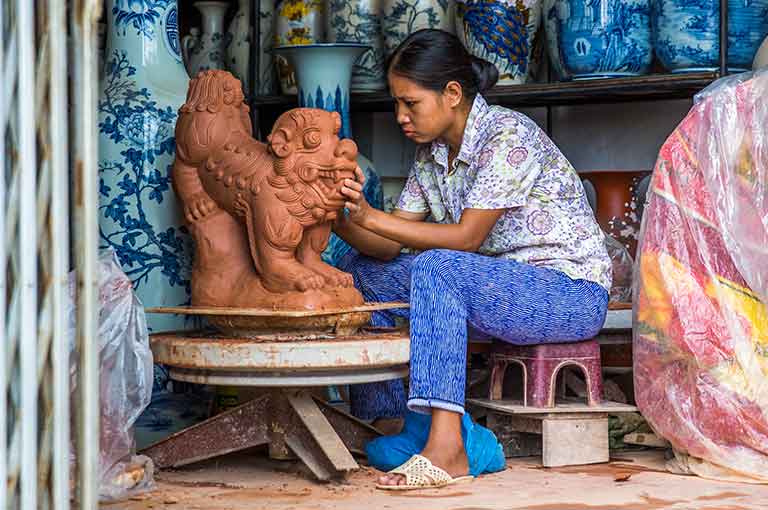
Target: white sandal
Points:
(420, 473)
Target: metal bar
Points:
(59, 221)
(84, 17)
(5, 93)
(723, 37)
(27, 245)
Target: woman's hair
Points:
(432, 58)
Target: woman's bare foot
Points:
(444, 448)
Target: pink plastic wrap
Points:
(701, 283)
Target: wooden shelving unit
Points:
(616, 90)
(653, 87)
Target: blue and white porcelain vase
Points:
(207, 50)
(401, 18)
(144, 85)
(599, 38)
(360, 21)
(686, 33)
(323, 76)
(501, 32)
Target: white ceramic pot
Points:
(401, 18)
(359, 21)
(206, 50)
(238, 43)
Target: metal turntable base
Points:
(286, 416)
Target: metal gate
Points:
(48, 179)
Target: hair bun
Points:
(486, 73)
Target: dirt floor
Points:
(631, 481)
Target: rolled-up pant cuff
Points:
(425, 406)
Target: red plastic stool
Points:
(541, 363)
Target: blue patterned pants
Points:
(451, 291)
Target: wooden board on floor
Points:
(517, 407)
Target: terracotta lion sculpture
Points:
(260, 214)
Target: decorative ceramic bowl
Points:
(686, 33)
(501, 32)
(599, 38)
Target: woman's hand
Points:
(356, 203)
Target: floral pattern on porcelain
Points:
(207, 50)
(404, 17)
(599, 38)
(360, 21)
(501, 32)
(131, 119)
(142, 15)
(142, 87)
(686, 33)
(548, 221)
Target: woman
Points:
(513, 249)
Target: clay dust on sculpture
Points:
(261, 214)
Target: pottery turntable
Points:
(286, 353)
(285, 321)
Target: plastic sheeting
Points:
(125, 380)
(701, 286)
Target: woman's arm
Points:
(368, 242)
(467, 235)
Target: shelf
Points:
(614, 90)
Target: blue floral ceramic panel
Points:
(599, 38)
(686, 33)
(141, 15)
(131, 183)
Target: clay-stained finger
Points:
(359, 176)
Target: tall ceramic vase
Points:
(206, 51)
(401, 18)
(139, 217)
(360, 21)
(323, 75)
(238, 44)
(501, 32)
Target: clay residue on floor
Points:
(249, 481)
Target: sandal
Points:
(420, 473)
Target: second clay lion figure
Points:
(260, 214)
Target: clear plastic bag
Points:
(701, 286)
(621, 288)
(125, 380)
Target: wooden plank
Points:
(517, 407)
(261, 312)
(574, 442)
(318, 426)
(646, 439)
(513, 442)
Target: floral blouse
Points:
(507, 162)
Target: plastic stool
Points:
(541, 363)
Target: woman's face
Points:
(423, 114)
